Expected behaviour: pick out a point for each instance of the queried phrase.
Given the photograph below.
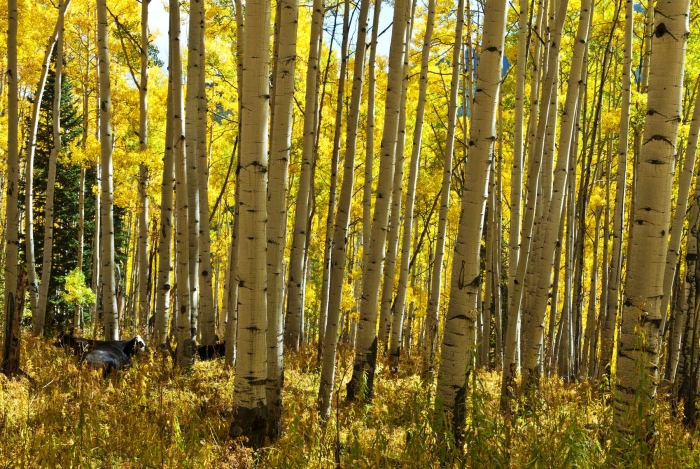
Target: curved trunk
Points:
(39, 318)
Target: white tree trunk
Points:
(40, 314)
(280, 145)
(366, 349)
(433, 307)
(250, 411)
(292, 329)
(143, 173)
(400, 302)
(464, 284)
(342, 220)
(641, 315)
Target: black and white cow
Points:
(113, 355)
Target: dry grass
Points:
(155, 416)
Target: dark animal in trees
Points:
(209, 352)
(110, 356)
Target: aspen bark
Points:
(250, 411)
(328, 245)
(589, 338)
(40, 314)
(11, 344)
(342, 220)
(292, 328)
(641, 316)
(464, 284)
(207, 311)
(165, 233)
(280, 145)
(366, 344)
(433, 307)
(143, 173)
(77, 312)
(400, 302)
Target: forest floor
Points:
(155, 416)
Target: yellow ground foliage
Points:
(155, 416)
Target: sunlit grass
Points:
(155, 416)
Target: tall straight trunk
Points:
(96, 258)
(185, 339)
(680, 311)
(207, 311)
(165, 233)
(143, 172)
(250, 414)
(280, 144)
(516, 181)
(32, 285)
(681, 209)
(400, 302)
(464, 284)
(39, 318)
(342, 220)
(232, 292)
(328, 245)
(366, 342)
(11, 345)
(641, 315)
(433, 307)
(369, 148)
(386, 312)
(589, 337)
(292, 328)
(534, 313)
(191, 116)
(554, 304)
(564, 351)
(484, 344)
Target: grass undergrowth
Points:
(155, 416)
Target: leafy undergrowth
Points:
(155, 416)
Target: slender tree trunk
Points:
(342, 220)
(589, 338)
(32, 284)
(77, 312)
(464, 284)
(39, 318)
(328, 245)
(13, 275)
(369, 148)
(386, 311)
(400, 302)
(165, 233)
(292, 328)
(641, 316)
(185, 338)
(433, 307)
(143, 172)
(280, 146)
(250, 412)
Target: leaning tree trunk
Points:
(432, 311)
(641, 315)
(459, 330)
(342, 220)
(11, 345)
(32, 285)
(292, 328)
(366, 342)
(143, 172)
(280, 145)
(400, 302)
(39, 318)
(250, 411)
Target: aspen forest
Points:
(350, 233)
